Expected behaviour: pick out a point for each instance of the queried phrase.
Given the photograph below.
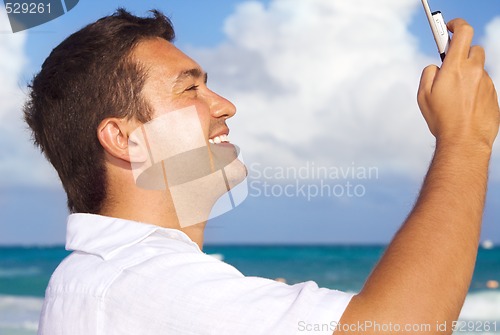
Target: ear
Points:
(113, 134)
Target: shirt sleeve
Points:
(196, 294)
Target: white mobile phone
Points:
(439, 29)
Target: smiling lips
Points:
(219, 139)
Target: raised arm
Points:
(425, 273)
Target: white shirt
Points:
(126, 277)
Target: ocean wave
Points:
(484, 305)
(19, 315)
(19, 272)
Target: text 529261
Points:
(27, 8)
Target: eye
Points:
(193, 88)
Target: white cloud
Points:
(329, 81)
(491, 44)
(13, 60)
(20, 163)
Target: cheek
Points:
(164, 104)
(204, 117)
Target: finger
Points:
(427, 79)
(461, 40)
(426, 82)
(452, 24)
(478, 55)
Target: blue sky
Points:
(323, 83)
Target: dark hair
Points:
(90, 76)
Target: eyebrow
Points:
(191, 73)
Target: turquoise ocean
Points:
(25, 272)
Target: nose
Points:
(220, 107)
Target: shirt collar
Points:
(105, 236)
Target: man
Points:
(102, 108)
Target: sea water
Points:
(25, 272)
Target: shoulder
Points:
(151, 259)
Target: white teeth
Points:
(219, 139)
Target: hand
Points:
(459, 101)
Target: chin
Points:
(226, 158)
(236, 172)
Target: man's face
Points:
(175, 81)
(187, 138)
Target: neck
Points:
(125, 200)
(196, 233)
(153, 207)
